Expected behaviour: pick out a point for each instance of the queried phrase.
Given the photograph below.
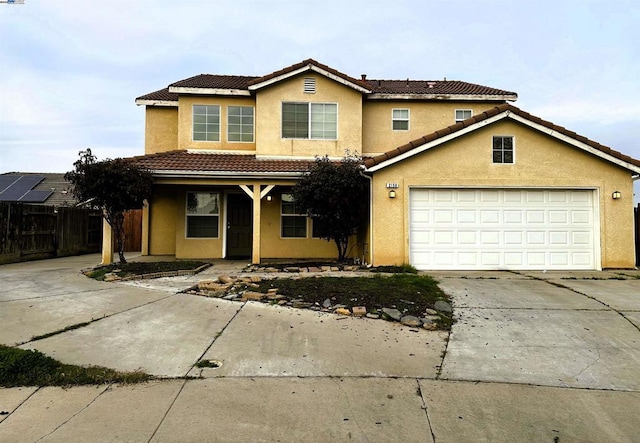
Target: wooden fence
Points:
(31, 232)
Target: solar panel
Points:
(36, 196)
(7, 180)
(20, 187)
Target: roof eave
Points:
(208, 91)
(223, 174)
(452, 97)
(166, 103)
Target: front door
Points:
(239, 226)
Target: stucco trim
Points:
(157, 103)
(455, 97)
(209, 91)
(306, 68)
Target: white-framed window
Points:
(203, 214)
(316, 121)
(206, 123)
(503, 149)
(293, 224)
(240, 123)
(400, 119)
(463, 114)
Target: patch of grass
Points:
(141, 268)
(60, 331)
(20, 367)
(410, 294)
(404, 269)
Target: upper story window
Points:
(503, 149)
(206, 123)
(463, 114)
(310, 120)
(240, 124)
(400, 119)
(293, 223)
(203, 213)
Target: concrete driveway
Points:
(533, 357)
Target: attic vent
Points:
(310, 85)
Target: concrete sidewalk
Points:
(533, 357)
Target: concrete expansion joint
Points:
(444, 355)
(87, 323)
(42, 297)
(155, 431)
(425, 409)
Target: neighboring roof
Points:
(183, 162)
(211, 84)
(489, 116)
(36, 188)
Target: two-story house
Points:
(460, 178)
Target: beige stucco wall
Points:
(161, 129)
(185, 122)
(540, 161)
(269, 110)
(425, 117)
(162, 221)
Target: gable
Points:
(491, 117)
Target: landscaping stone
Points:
(359, 311)
(255, 279)
(373, 316)
(410, 320)
(442, 306)
(272, 291)
(326, 303)
(325, 268)
(314, 269)
(292, 269)
(301, 304)
(393, 313)
(342, 311)
(231, 296)
(225, 279)
(430, 326)
(335, 268)
(251, 295)
(430, 311)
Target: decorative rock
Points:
(326, 303)
(255, 279)
(393, 313)
(335, 268)
(272, 290)
(270, 270)
(231, 296)
(410, 320)
(342, 311)
(111, 277)
(250, 295)
(292, 269)
(429, 311)
(430, 326)
(275, 296)
(370, 315)
(302, 304)
(225, 279)
(314, 269)
(426, 320)
(442, 306)
(283, 302)
(359, 311)
(325, 268)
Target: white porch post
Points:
(107, 243)
(145, 229)
(257, 200)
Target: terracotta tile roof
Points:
(373, 161)
(215, 82)
(382, 87)
(190, 161)
(436, 87)
(308, 62)
(160, 95)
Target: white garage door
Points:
(502, 229)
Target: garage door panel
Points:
(502, 229)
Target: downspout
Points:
(370, 212)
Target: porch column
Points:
(145, 229)
(257, 200)
(107, 243)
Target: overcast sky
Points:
(70, 70)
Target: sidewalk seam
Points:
(108, 388)
(168, 410)
(426, 411)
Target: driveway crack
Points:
(168, 410)
(426, 411)
(589, 365)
